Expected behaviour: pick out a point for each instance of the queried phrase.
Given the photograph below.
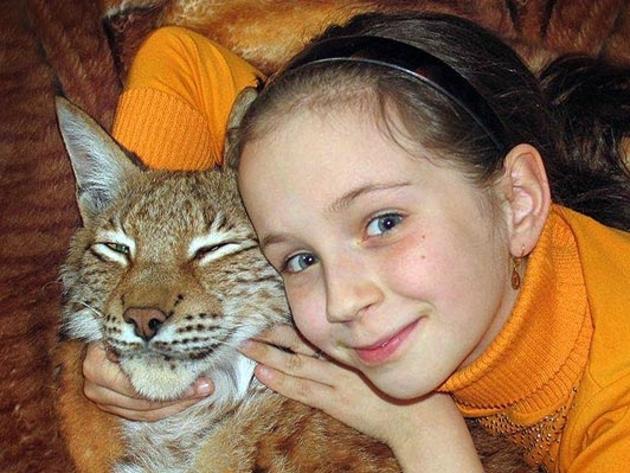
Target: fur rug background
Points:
(45, 46)
(54, 46)
(267, 32)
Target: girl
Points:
(394, 174)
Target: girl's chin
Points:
(409, 394)
(404, 386)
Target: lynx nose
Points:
(146, 321)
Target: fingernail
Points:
(203, 388)
(263, 373)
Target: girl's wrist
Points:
(432, 454)
(409, 456)
(434, 437)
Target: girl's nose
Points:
(349, 292)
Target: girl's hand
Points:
(429, 431)
(108, 387)
(306, 376)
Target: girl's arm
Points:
(427, 434)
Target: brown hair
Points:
(546, 119)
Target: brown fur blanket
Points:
(44, 45)
(52, 46)
(268, 32)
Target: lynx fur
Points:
(166, 271)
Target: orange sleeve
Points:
(177, 99)
(597, 435)
(601, 440)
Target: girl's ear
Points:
(526, 189)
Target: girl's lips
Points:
(383, 350)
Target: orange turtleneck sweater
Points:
(557, 378)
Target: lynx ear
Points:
(242, 103)
(100, 166)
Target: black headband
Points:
(414, 62)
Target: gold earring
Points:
(516, 266)
(516, 278)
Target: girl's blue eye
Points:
(383, 224)
(299, 262)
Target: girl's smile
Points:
(386, 348)
(392, 264)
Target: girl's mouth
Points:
(383, 350)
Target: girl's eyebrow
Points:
(346, 200)
(272, 239)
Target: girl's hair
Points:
(576, 115)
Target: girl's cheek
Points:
(309, 314)
(409, 263)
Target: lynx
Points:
(167, 273)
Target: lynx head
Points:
(166, 269)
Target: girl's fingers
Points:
(286, 336)
(106, 397)
(149, 415)
(306, 391)
(293, 364)
(106, 385)
(100, 371)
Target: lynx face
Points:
(166, 270)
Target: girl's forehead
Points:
(323, 157)
(337, 142)
(310, 142)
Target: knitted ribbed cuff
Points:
(164, 131)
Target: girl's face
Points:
(392, 264)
